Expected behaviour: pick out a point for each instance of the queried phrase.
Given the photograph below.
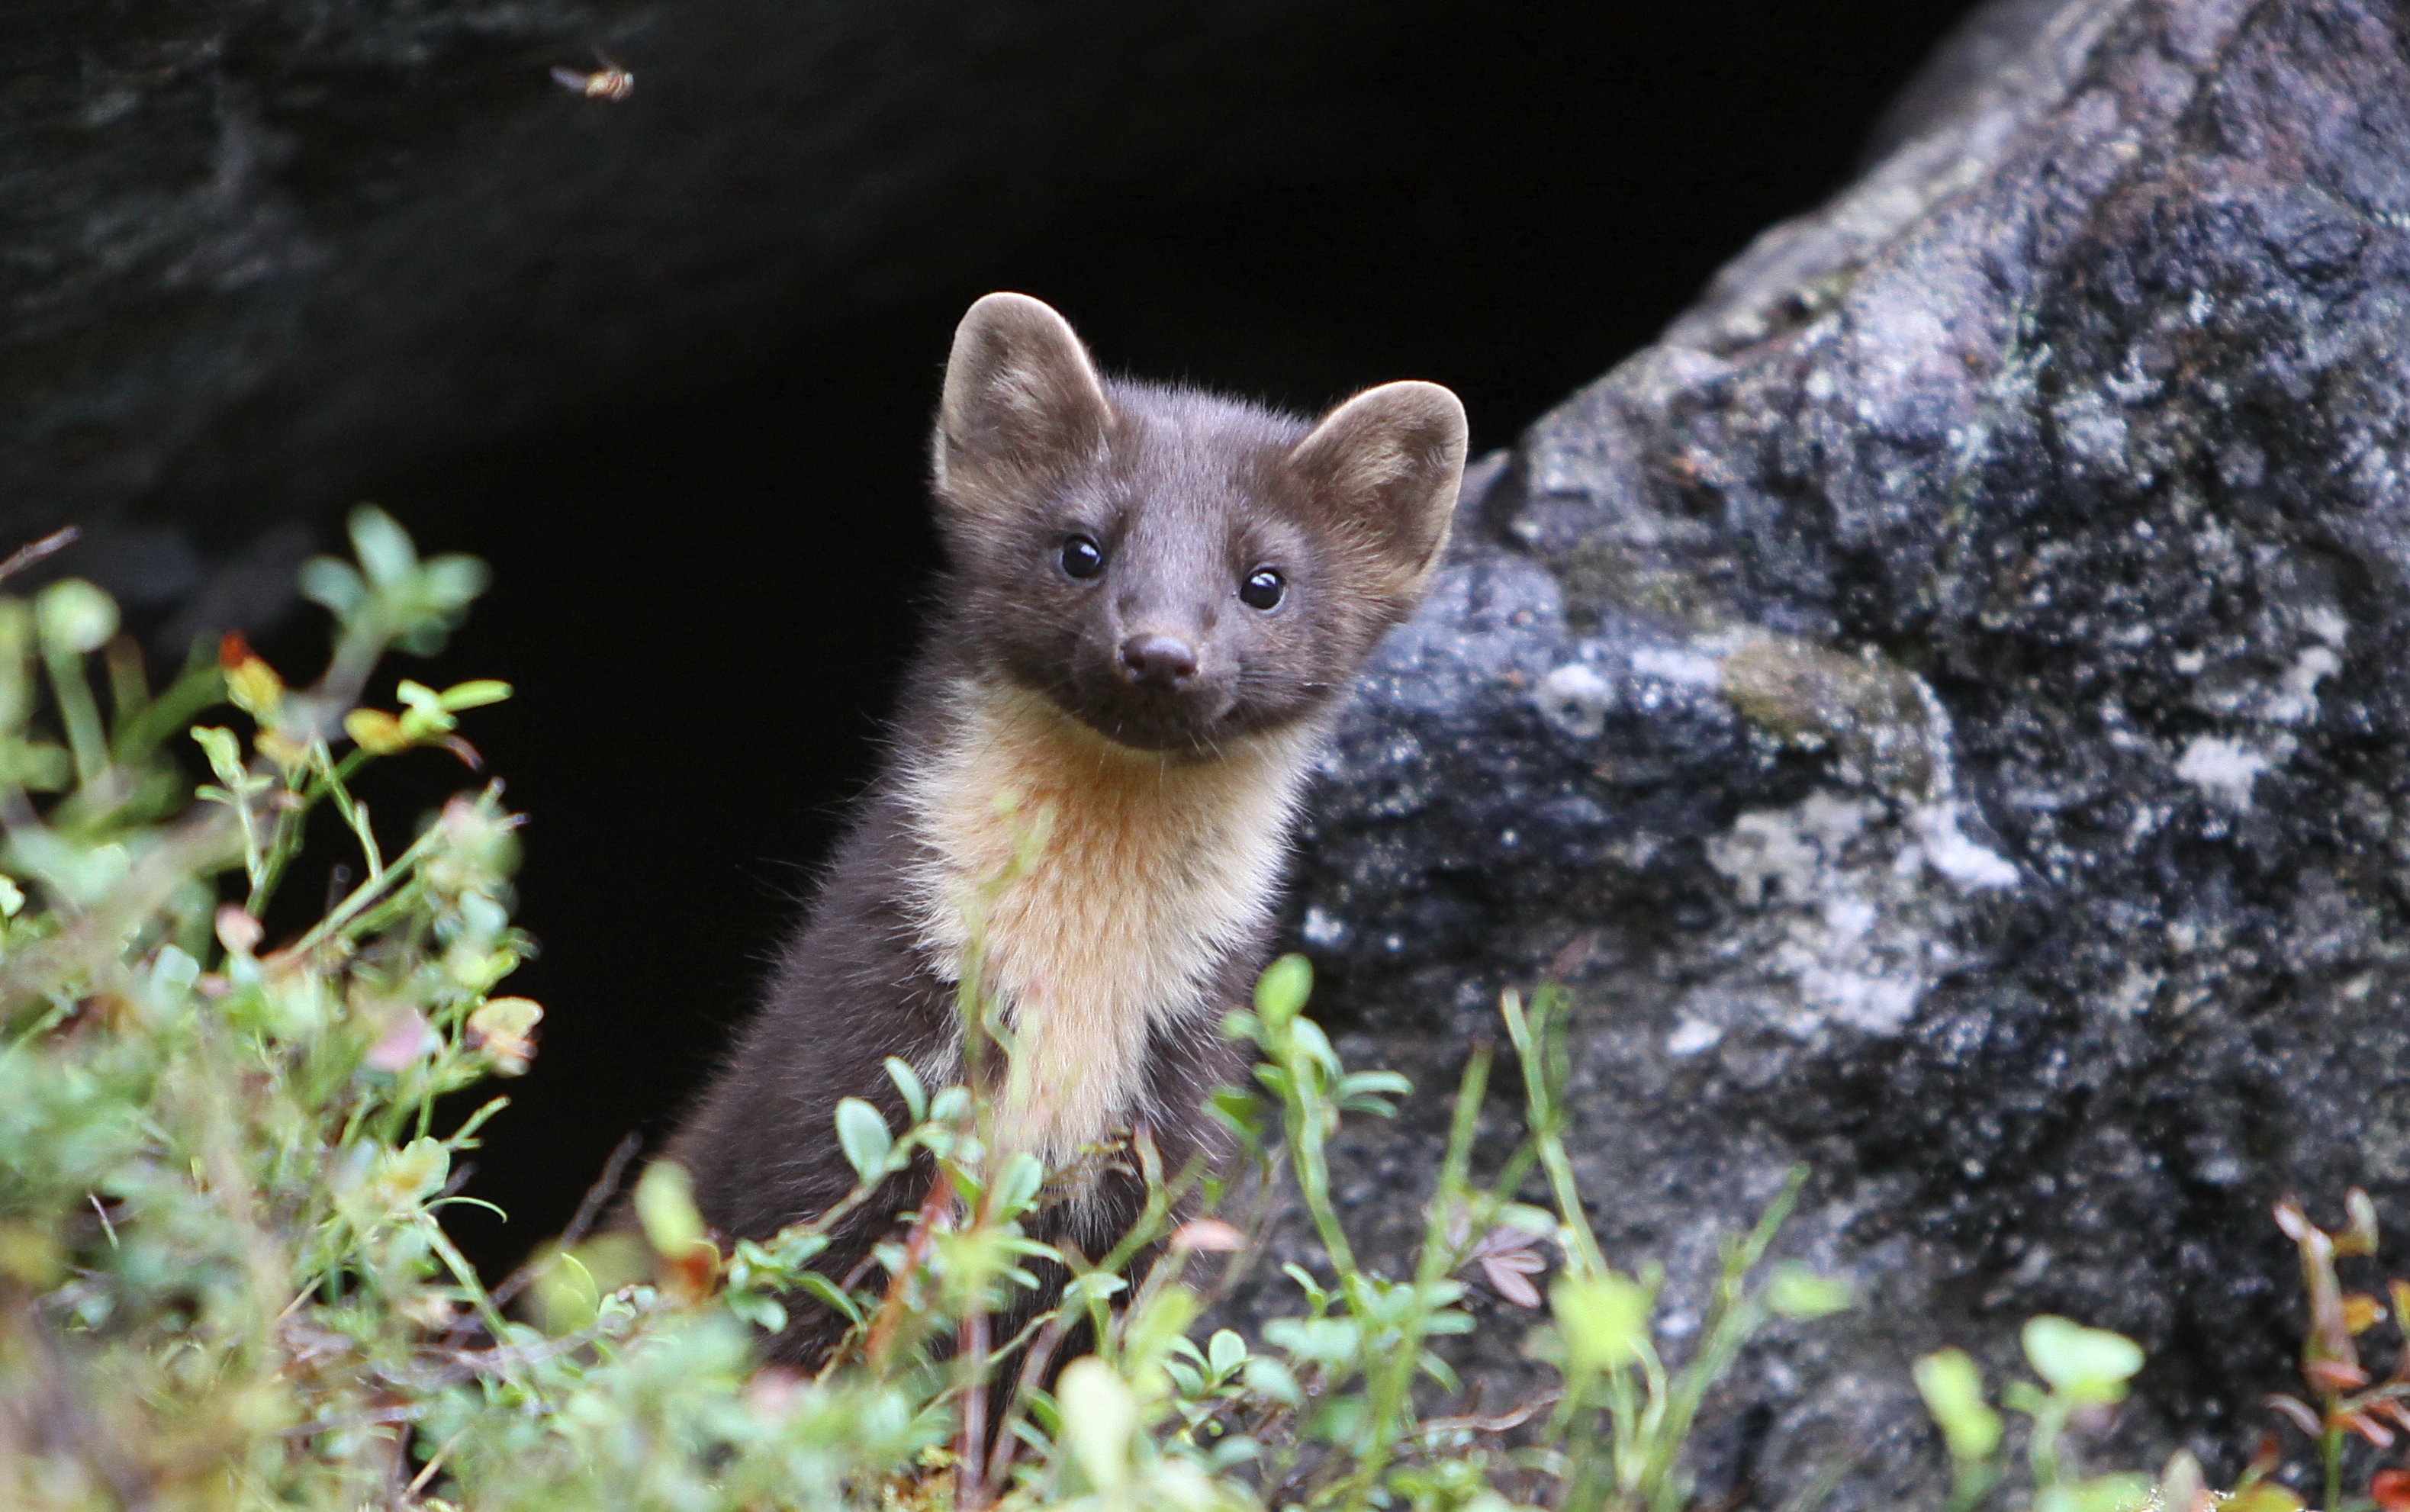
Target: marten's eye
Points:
(1083, 558)
(1262, 590)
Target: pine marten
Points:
(1152, 601)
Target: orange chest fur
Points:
(1101, 888)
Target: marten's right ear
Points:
(1022, 403)
(1385, 466)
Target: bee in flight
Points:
(608, 83)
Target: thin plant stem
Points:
(1305, 1119)
(1393, 1385)
(1542, 1085)
(78, 712)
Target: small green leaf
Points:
(1099, 1419)
(566, 1297)
(1326, 1340)
(1239, 1111)
(382, 546)
(1953, 1388)
(1316, 1296)
(1238, 1449)
(1094, 1285)
(37, 764)
(453, 581)
(1797, 1291)
(1316, 1045)
(1018, 1186)
(821, 1289)
(791, 1248)
(2102, 1493)
(1340, 1421)
(1148, 1333)
(764, 1312)
(908, 1082)
(75, 616)
(665, 1208)
(333, 586)
(1525, 1218)
(476, 694)
(1224, 1352)
(1604, 1318)
(2088, 1366)
(864, 1136)
(225, 752)
(1267, 1378)
(1280, 990)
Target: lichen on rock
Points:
(1950, 684)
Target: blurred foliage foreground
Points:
(223, 1283)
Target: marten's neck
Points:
(1102, 885)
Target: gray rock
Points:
(1952, 681)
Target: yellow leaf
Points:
(2361, 1312)
(504, 1029)
(254, 685)
(376, 732)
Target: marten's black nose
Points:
(1157, 660)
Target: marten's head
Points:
(1174, 568)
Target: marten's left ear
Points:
(1022, 403)
(1386, 465)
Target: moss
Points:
(1813, 697)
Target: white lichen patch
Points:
(2092, 431)
(1576, 699)
(1856, 897)
(1692, 1037)
(2269, 710)
(2263, 713)
(1781, 852)
(1689, 668)
(2222, 769)
(2327, 623)
(1846, 939)
(1968, 867)
(2295, 700)
(1877, 1005)
(2134, 993)
(1323, 929)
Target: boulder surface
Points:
(1946, 691)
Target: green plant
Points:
(224, 1156)
(2347, 1399)
(2086, 1371)
(1603, 1335)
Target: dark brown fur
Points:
(1185, 494)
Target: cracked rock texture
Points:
(1952, 684)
